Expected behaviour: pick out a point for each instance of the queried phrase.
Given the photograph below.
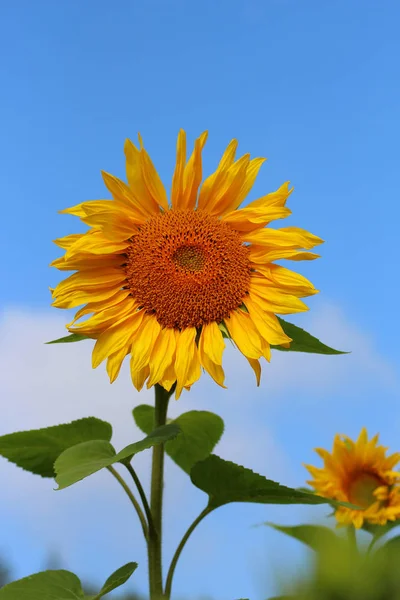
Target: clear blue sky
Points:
(314, 86)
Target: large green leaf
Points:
(37, 450)
(47, 585)
(226, 482)
(73, 337)
(87, 458)
(118, 578)
(201, 431)
(318, 538)
(303, 341)
(61, 585)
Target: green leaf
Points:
(303, 341)
(226, 482)
(144, 417)
(74, 337)
(118, 578)
(316, 537)
(378, 531)
(37, 450)
(201, 431)
(47, 585)
(87, 458)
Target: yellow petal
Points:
(277, 198)
(91, 279)
(107, 317)
(114, 362)
(214, 181)
(274, 300)
(139, 377)
(211, 347)
(193, 174)
(115, 337)
(248, 220)
(161, 355)
(68, 240)
(152, 180)
(95, 242)
(221, 199)
(143, 342)
(177, 180)
(94, 307)
(266, 324)
(286, 237)
(79, 297)
(243, 333)
(260, 255)
(169, 377)
(255, 365)
(213, 342)
(88, 261)
(124, 194)
(251, 173)
(292, 282)
(187, 364)
(142, 198)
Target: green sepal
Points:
(302, 341)
(73, 337)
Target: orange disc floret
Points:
(188, 269)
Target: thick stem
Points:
(156, 497)
(168, 585)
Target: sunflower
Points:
(361, 473)
(166, 282)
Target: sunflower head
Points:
(360, 473)
(162, 280)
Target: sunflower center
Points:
(189, 258)
(362, 487)
(187, 268)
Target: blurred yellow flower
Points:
(163, 281)
(360, 473)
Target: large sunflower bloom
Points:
(361, 473)
(164, 282)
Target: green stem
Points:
(141, 494)
(351, 536)
(132, 498)
(168, 585)
(156, 496)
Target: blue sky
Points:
(315, 88)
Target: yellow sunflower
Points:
(361, 473)
(165, 282)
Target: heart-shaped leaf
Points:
(201, 431)
(226, 482)
(37, 450)
(318, 538)
(83, 460)
(47, 585)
